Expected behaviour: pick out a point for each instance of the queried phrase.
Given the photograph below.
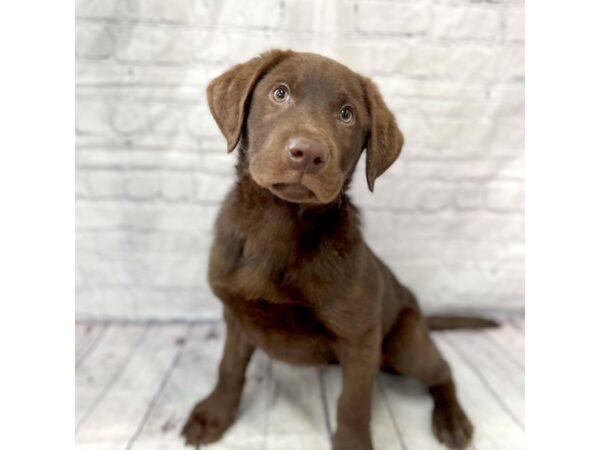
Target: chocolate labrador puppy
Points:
(288, 261)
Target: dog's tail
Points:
(459, 323)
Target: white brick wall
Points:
(152, 167)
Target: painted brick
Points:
(378, 224)
(172, 217)
(201, 124)
(456, 108)
(166, 118)
(94, 42)
(398, 88)
(159, 243)
(161, 75)
(477, 171)
(469, 196)
(93, 117)
(100, 9)
(513, 91)
(140, 159)
(507, 134)
(102, 243)
(436, 198)
(247, 45)
(219, 163)
(455, 61)
(266, 14)
(194, 303)
(177, 186)
(392, 18)
(212, 188)
(454, 225)
(176, 272)
(355, 55)
(129, 118)
(105, 303)
(135, 44)
(104, 184)
(515, 25)
(143, 185)
(110, 272)
(178, 11)
(506, 196)
(94, 72)
(465, 135)
(411, 194)
(82, 189)
(301, 15)
(455, 252)
(439, 290)
(211, 47)
(142, 303)
(466, 22)
(174, 46)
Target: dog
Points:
(288, 260)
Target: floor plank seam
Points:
(504, 351)
(323, 390)
(269, 383)
(112, 380)
(483, 380)
(153, 402)
(92, 346)
(519, 328)
(392, 416)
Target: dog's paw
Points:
(451, 426)
(347, 439)
(207, 422)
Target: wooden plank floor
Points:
(135, 385)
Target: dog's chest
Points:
(275, 264)
(277, 274)
(288, 332)
(274, 311)
(287, 318)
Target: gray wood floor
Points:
(135, 385)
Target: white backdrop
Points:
(152, 167)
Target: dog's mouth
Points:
(294, 192)
(295, 187)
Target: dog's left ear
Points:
(229, 94)
(384, 139)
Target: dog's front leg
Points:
(212, 416)
(359, 359)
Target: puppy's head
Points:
(304, 120)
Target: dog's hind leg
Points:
(409, 350)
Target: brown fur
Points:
(294, 274)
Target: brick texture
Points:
(152, 168)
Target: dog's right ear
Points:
(229, 94)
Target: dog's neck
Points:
(274, 238)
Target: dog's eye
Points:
(346, 114)
(280, 94)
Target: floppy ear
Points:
(384, 139)
(229, 94)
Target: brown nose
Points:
(306, 155)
